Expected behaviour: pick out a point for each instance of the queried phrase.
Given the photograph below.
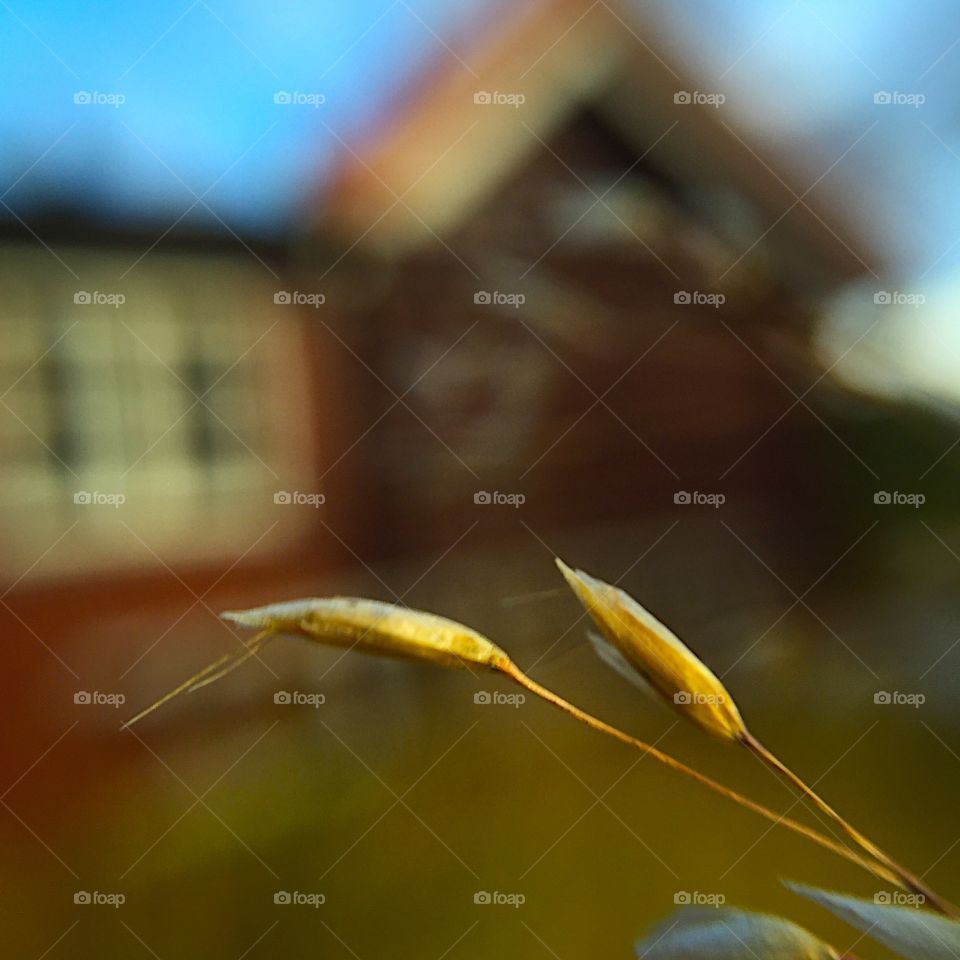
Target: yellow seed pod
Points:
(366, 625)
(643, 644)
(379, 628)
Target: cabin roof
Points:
(437, 156)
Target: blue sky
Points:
(199, 77)
(804, 74)
(198, 81)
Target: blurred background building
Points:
(401, 300)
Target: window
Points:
(160, 407)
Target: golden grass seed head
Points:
(375, 627)
(658, 655)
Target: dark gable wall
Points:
(503, 401)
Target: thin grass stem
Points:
(907, 879)
(877, 869)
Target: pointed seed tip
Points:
(245, 618)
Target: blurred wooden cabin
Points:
(528, 258)
(520, 299)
